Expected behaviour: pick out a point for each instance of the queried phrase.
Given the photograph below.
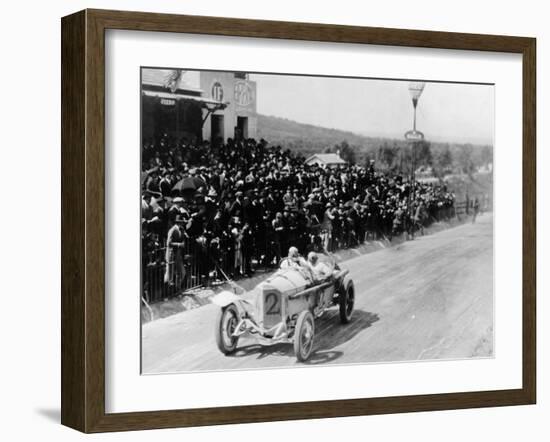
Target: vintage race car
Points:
(283, 308)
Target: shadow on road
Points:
(329, 333)
(322, 357)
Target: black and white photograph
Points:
(307, 220)
(274, 221)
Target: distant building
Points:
(325, 160)
(197, 104)
(424, 172)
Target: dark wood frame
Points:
(83, 217)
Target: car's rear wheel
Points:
(303, 336)
(226, 323)
(347, 301)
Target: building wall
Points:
(241, 96)
(178, 118)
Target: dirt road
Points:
(431, 298)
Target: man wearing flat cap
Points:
(177, 208)
(237, 206)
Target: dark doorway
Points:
(217, 127)
(242, 128)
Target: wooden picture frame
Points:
(83, 219)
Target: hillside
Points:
(308, 139)
(389, 153)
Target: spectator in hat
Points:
(288, 200)
(237, 206)
(247, 241)
(148, 216)
(166, 184)
(236, 235)
(279, 230)
(475, 209)
(158, 224)
(326, 226)
(146, 207)
(176, 209)
(153, 180)
(175, 246)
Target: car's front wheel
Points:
(226, 323)
(303, 336)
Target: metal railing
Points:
(200, 263)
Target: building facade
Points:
(197, 105)
(325, 160)
(239, 118)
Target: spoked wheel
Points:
(347, 301)
(227, 321)
(303, 336)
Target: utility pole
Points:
(413, 137)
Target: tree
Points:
(388, 156)
(464, 159)
(486, 155)
(346, 152)
(442, 161)
(423, 154)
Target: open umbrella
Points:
(145, 174)
(188, 184)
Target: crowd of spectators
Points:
(223, 209)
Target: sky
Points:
(445, 112)
(453, 112)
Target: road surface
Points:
(431, 298)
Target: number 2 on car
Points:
(272, 308)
